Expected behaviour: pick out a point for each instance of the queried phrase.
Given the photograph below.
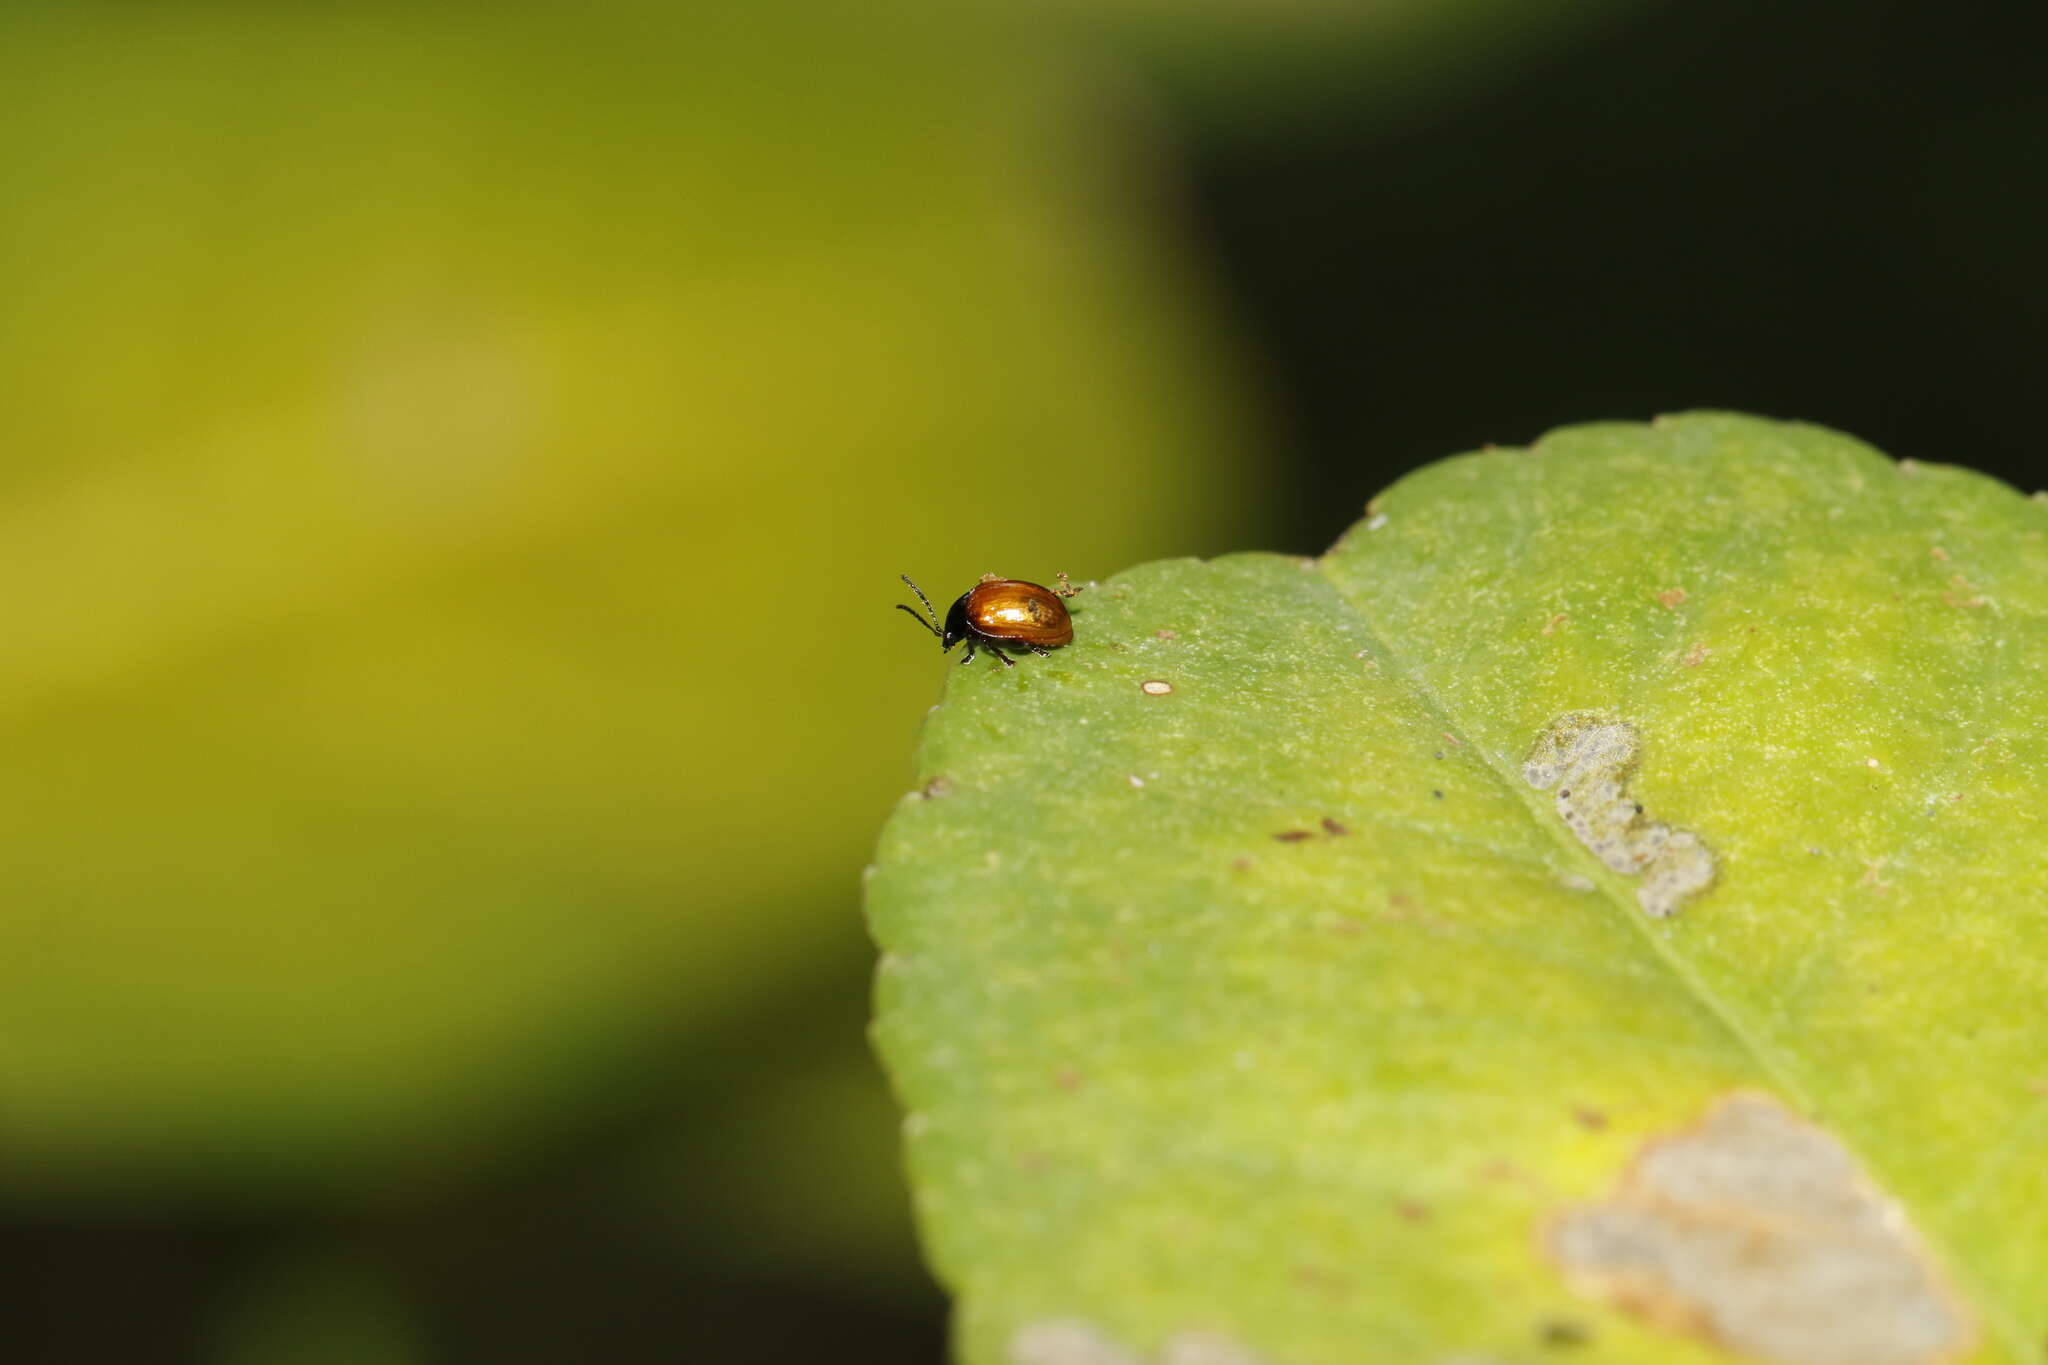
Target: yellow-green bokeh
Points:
(459, 460)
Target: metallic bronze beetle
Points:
(1001, 611)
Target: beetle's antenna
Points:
(931, 625)
(920, 597)
(904, 606)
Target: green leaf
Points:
(1296, 1014)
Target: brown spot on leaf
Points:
(1504, 1172)
(1671, 597)
(1961, 593)
(1590, 1119)
(1412, 1211)
(1294, 836)
(1758, 1231)
(1556, 623)
(1167, 634)
(936, 788)
(1067, 1079)
(1557, 1333)
(1936, 553)
(1332, 828)
(1326, 1282)
(1694, 656)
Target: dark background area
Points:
(1828, 211)
(1825, 211)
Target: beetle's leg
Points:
(1065, 589)
(968, 657)
(1040, 650)
(1004, 657)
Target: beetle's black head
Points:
(957, 628)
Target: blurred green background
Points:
(458, 461)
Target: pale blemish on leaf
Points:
(1589, 759)
(1207, 1348)
(1066, 1341)
(1758, 1231)
(1070, 1341)
(1155, 687)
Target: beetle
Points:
(1001, 611)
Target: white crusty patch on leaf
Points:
(1758, 1231)
(1071, 1341)
(1589, 759)
(1067, 1341)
